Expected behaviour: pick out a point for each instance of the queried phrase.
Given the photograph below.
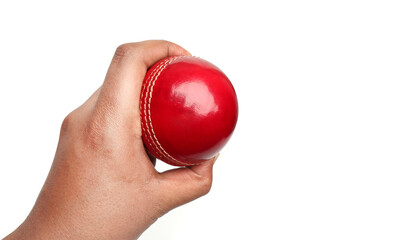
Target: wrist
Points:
(33, 230)
(41, 224)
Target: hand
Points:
(102, 184)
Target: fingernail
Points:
(215, 157)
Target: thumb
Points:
(182, 185)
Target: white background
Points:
(314, 152)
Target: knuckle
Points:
(67, 122)
(204, 184)
(124, 50)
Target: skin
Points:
(102, 184)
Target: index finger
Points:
(123, 82)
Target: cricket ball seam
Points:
(147, 110)
(150, 80)
(154, 79)
(144, 120)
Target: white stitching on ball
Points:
(156, 142)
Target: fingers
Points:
(147, 52)
(182, 185)
(113, 116)
(121, 89)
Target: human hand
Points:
(102, 184)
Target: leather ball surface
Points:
(188, 109)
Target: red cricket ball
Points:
(188, 109)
